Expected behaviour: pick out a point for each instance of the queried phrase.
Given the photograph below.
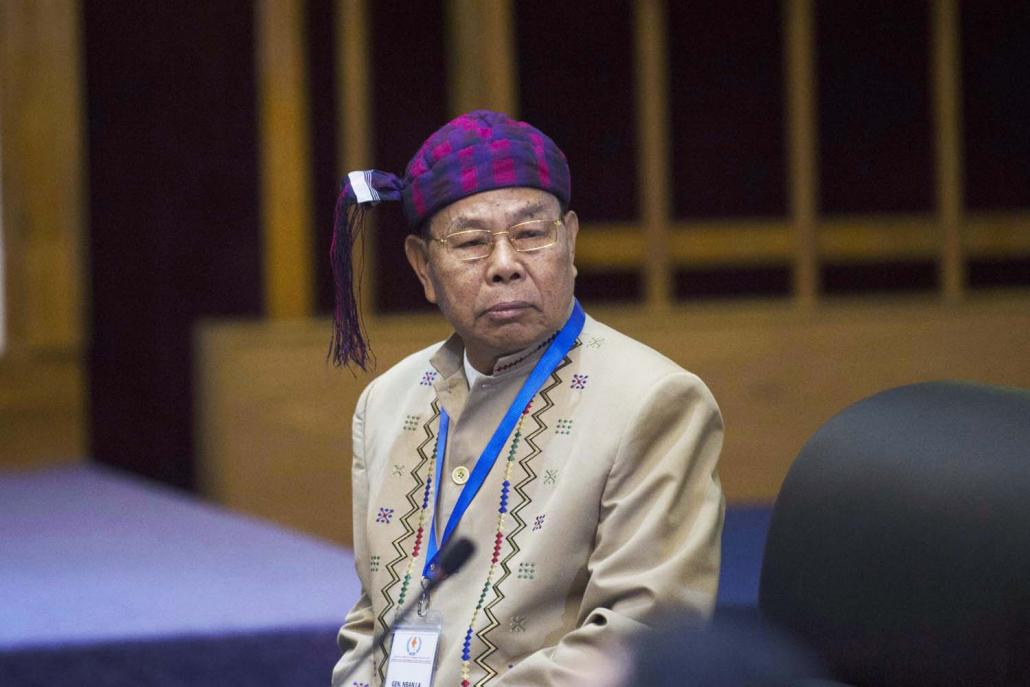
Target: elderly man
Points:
(580, 463)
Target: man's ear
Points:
(417, 251)
(572, 228)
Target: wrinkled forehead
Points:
(495, 210)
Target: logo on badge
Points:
(414, 645)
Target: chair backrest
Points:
(899, 547)
(732, 651)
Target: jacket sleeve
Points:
(355, 635)
(657, 544)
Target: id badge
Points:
(413, 652)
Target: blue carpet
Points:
(106, 580)
(743, 543)
(295, 657)
(90, 555)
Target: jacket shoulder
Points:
(601, 342)
(408, 373)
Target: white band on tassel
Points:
(362, 190)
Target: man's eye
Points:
(528, 233)
(470, 240)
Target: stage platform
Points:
(108, 580)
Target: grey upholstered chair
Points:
(899, 548)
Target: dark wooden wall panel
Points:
(875, 126)
(409, 102)
(993, 273)
(576, 84)
(740, 282)
(996, 103)
(897, 276)
(321, 62)
(726, 109)
(173, 213)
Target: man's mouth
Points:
(507, 310)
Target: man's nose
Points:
(505, 262)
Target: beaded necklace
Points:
(512, 363)
(498, 540)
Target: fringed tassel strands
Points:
(348, 342)
(359, 192)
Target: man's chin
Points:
(512, 338)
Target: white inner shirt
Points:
(471, 373)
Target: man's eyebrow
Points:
(463, 222)
(529, 211)
(475, 221)
(525, 211)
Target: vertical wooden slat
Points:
(353, 88)
(948, 121)
(285, 158)
(354, 93)
(42, 381)
(41, 116)
(464, 63)
(481, 65)
(652, 104)
(499, 57)
(3, 258)
(802, 137)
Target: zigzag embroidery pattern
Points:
(520, 524)
(398, 544)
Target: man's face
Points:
(506, 301)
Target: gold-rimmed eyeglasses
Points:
(524, 237)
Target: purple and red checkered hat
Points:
(478, 151)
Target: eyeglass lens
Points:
(470, 244)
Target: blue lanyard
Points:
(554, 354)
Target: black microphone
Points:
(452, 558)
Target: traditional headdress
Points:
(478, 151)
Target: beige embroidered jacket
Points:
(614, 513)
